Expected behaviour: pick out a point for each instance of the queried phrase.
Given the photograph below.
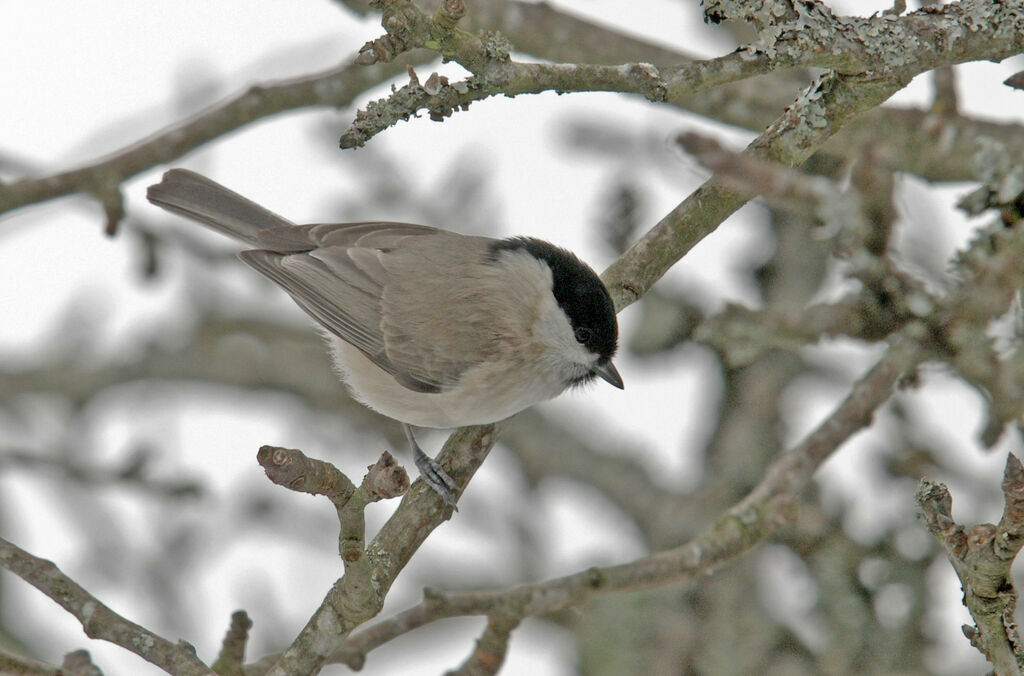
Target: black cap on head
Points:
(579, 292)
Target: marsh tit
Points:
(428, 327)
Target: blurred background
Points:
(139, 373)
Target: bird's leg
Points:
(431, 471)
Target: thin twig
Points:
(232, 650)
(489, 652)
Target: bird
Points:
(428, 327)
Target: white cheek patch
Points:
(564, 352)
(551, 327)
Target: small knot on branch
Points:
(1010, 535)
(385, 479)
(382, 50)
(406, 28)
(107, 189)
(79, 663)
(496, 46)
(448, 14)
(936, 512)
(291, 468)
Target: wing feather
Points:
(366, 283)
(351, 318)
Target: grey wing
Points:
(337, 274)
(440, 309)
(348, 312)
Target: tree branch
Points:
(232, 652)
(490, 649)
(360, 594)
(818, 113)
(441, 98)
(982, 556)
(933, 146)
(98, 621)
(875, 48)
(336, 87)
(739, 529)
(746, 103)
(12, 663)
(769, 504)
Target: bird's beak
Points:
(609, 374)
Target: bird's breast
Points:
(484, 394)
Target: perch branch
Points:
(771, 504)
(358, 597)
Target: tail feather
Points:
(197, 197)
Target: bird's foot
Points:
(437, 478)
(432, 472)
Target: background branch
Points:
(99, 621)
(336, 87)
(914, 130)
(982, 556)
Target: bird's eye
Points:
(583, 334)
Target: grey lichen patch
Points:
(496, 46)
(811, 107)
(143, 642)
(812, 103)
(887, 43)
(1002, 178)
(761, 14)
(437, 96)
